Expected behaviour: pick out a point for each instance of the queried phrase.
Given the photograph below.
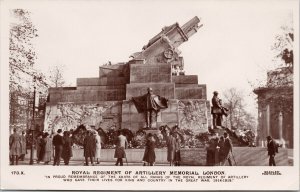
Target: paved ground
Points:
(81, 163)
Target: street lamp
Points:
(32, 129)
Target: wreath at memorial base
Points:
(137, 140)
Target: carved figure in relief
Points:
(69, 115)
(192, 115)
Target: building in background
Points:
(275, 108)
(21, 108)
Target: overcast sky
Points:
(232, 47)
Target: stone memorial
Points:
(106, 101)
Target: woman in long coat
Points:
(98, 147)
(67, 148)
(149, 155)
(15, 146)
(23, 148)
(48, 148)
(121, 145)
(89, 145)
(171, 148)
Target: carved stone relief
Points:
(193, 115)
(68, 116)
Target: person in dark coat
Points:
(211, 151)
(38, 147)
(42, 146)
(177, 157)
(67, 148)
(221, 150)
(227, 148)
(58, 143)
(149, 155)
(171, 148)
(271, 150)
(89, 145)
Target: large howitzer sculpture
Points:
(162, 48)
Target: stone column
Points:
(261, 124)
(280, 128)
(280, 119)
(268, 119)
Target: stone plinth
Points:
(118, 83)
(86, 95)
(166, 90)
(103, 81)
(100, 88)
(185, 79)
(189, 93)
(115, 70)
(156, 73)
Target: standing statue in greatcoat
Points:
(150, 104)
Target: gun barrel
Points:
(191, 26)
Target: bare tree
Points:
(238, 117)
(22, 55)
(56, 77)
(283, 45)
(22, 75)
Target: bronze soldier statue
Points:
(150, 104)
(216, 110)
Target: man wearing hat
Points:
(216, 110)
(121, 145)
(227, 149)
(271, 150)
(58, 146)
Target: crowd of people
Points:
(219, 150)
(149, 157)
(173, 149)
(54, 147)
(59, 146)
